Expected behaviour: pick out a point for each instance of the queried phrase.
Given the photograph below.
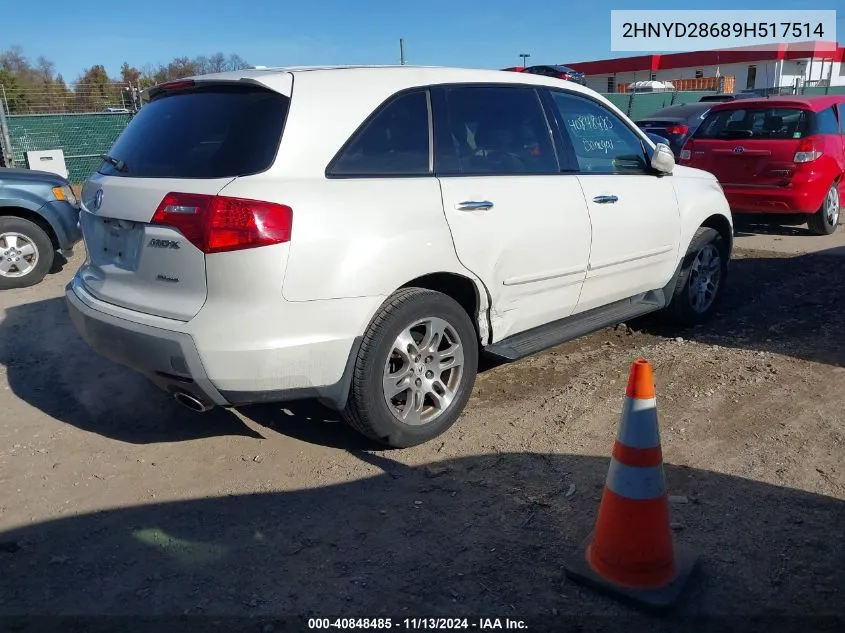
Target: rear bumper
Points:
(248, 366)
(169, 359)
(803, 199)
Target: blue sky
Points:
(488, 34)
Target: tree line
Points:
(36, 87)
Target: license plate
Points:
(115, 237)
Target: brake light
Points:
(177, 84)
(677, 130)
(807, 150)
(686, 151)
(216, 224)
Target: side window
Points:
(601, 142)
(495, 130)
(395, 142)
(826, 122)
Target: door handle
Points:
(474, 205)
(605, 199)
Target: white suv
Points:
(360, 235)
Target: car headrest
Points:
(772, 123)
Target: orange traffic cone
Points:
(631, 553)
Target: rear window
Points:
(210, 132)
(757, 123)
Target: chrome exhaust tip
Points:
(191, 402)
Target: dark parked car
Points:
(39, 215)
(561, 72)
(721, 98)
(717, 98)
(675, 123)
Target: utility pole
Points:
(402, 51)
(524, 57)
(6, 159)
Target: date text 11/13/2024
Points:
(416, 624)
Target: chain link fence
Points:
(83, 138)
(58, 98)
(82, 120)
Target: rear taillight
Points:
(215, 224)
(686, 151)
(807, 150)
(677, 130)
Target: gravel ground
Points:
(113, 501)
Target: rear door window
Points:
(756, 124)
(209, 132)
(394, 142)
(495, 130)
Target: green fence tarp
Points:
(82, 138)
(690, 96)
(620, 100)
(816, 91)
(641, 104)
(644, 103)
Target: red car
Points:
(777, 155)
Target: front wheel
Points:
(825, 220)
(701, 280)
(26, 253)
(415, 369)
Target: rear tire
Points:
(826, 219)
(26, 253)
(701, 281)
(415, 369)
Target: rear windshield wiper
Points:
(119, 165)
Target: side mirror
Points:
(663, 159)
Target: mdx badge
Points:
(157, 243)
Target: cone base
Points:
(659, 599)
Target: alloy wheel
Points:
(423, 371)
(18, 255)
(705, 276)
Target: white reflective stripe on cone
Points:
(635, 482)
(639, 423)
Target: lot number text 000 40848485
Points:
(430, 624)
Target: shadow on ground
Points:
(482, 536)
(761, 224)
(785, 305)
(59, 262)
(309, 421)
(51, 368)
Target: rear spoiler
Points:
(189, 83)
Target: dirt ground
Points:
(115, 502)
